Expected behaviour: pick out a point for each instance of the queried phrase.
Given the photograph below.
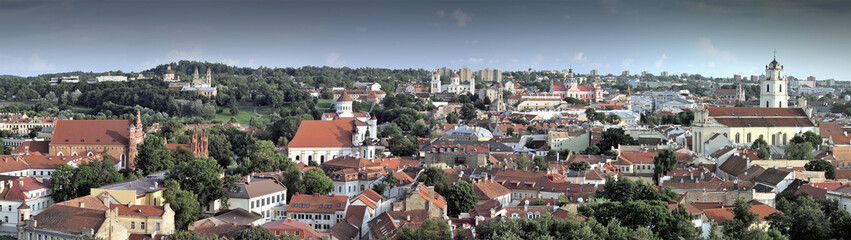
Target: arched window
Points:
(774, 140)
(123, 159)
(74, 154)
(90, 154)
(784, 138)
(322, 159)
(780, 87)
(362, 187)
(780, 104)
(60, 154)
(767, 88)
(298, 158)
(737, 137)
(749, 138)
(309, 158)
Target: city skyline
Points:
(718, 39)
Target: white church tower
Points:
(344, 105)
(774, 87)
(435, 82)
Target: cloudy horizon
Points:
(718, 39)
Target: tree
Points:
(592, 150)
(315, 181)
(452, 118)
(184, 204)
(184, 235)
(613, 137)
(580, 166)
(822, 165)
(433, 176)
(737, 227)
(254, 233)
(420, 129)
(624, 190)
(541, 163)
(574, 101)
(522, 162)
(291, 178)
(612, 118)
(380, 187)
(762, 148)
(171, 128)
(404, 145)
(468, 111)
(801, 217)
(432, 229)
(390, 180)
(813, 138)
(264, 156)
(799, 151)
(153, 155)
(62, 183)
(462, 197)
(391, 130)
(202, 176)
(220, 149)
(664, 162)
(234, 111)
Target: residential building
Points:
(264, 196)
(137, 219)
(422, 198)
(294, 228)
(466, 75)
(319, 211)
(38, 165)
(488, 189)
(19, 191)
(67, 222)
(140, 191)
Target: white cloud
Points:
(360, 29)
(626, 62)
(661, 60)
(441, 13)
(475, 60)
(39, 64)
(230, 61)
(580, 57)
(707, 48)
(332, 59)
(461, 18)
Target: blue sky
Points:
(714, 38)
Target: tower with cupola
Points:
(774, 87)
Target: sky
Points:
(713, 38)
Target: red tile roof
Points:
(91, 132)
(344, 97)
(638, 157)
(318, 133)
(70, 219)
(438, 200)
(489, 189)
(760, 117)
(832, 130)
(42, 147)
(140, 210)
(315, 203)
(17, 191)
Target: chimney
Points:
(82, 204)
(27, 150)
(408, 217)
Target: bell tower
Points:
(435, 82)
(774, 87)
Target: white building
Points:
(109, 79)
(14, 191)
(774, 87)
(263, 196)
(338, 134)
(319, 211)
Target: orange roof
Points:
(638, 157)
(832, 130)
(344, 98)
(437, 200)
(318, 133)
(140, 210)
(91, 132)
(315, 203)
(760, 117)
(489, 189)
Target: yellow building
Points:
(742, 126)
(537, 104)
(146, 191)
(140, 219)
(22, 126)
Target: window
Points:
(749, 138)
(767, 88)
(90, 154)
(132, 225)
(74, 154)
(158, 226)
(142, 225)
(737, 137)
(781, 87)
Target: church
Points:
(201, 85)
(774, 120)
(454, 85)
(571, 88)
(339, 134)
(118, 138)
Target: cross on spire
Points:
(775, 54)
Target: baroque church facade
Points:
(775, 121)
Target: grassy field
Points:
(323, 104)
(245, 114)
